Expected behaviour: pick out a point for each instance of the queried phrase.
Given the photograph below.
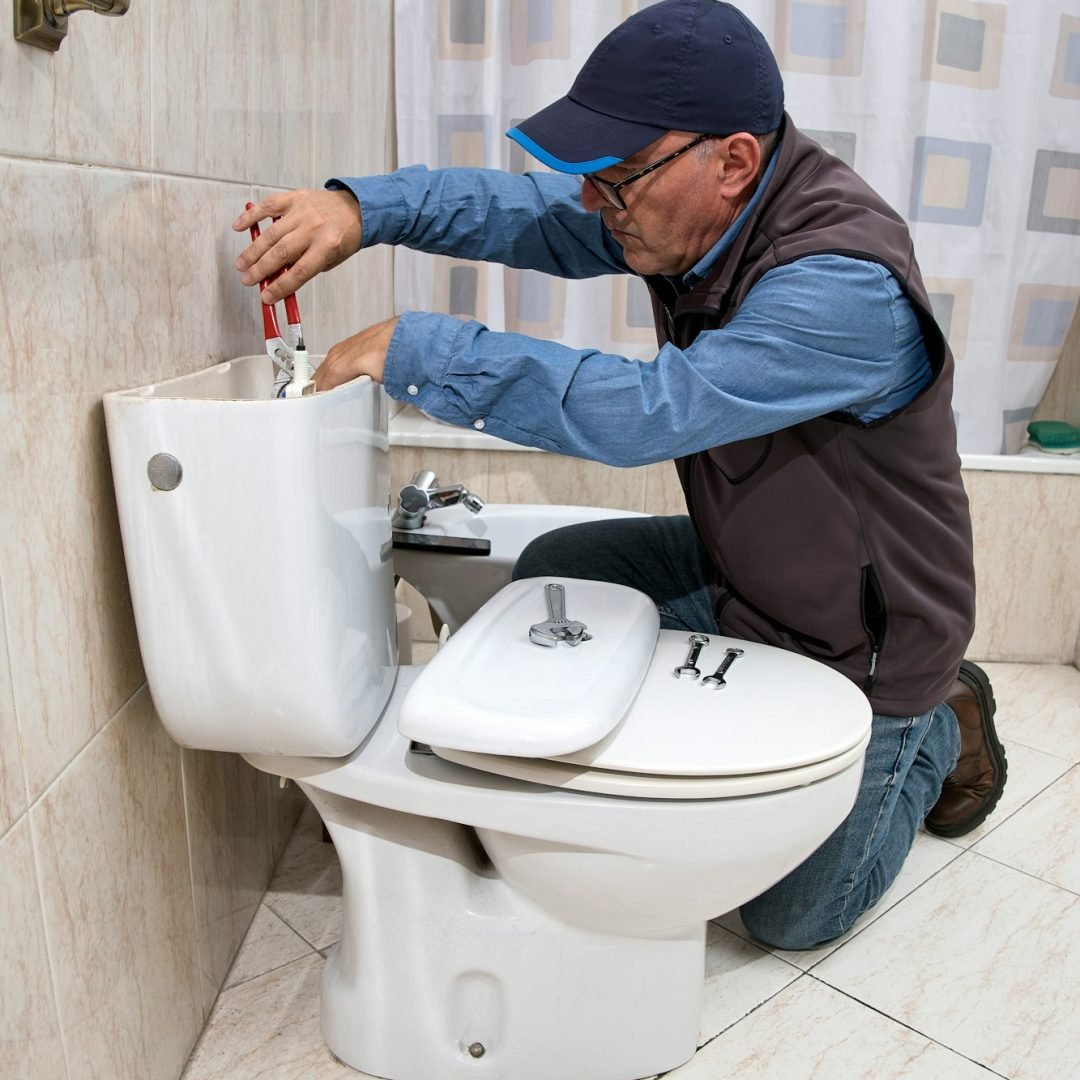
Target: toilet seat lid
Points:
(781, 721)
(777, 711)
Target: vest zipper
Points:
(872, 603)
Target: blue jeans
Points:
(907, 759)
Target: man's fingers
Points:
(301, 271)
(272, 206)
(316, 230)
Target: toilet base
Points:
(444, 971)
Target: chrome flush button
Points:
(165, 472)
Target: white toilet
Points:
(532, 839)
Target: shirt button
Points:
(412, 390)
(478, 424)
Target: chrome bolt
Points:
(477, 1050)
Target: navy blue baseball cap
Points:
(677, 65)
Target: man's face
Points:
(674, 215)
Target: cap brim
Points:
(570, 138)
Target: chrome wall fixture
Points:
(43, 23)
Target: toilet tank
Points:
(257, 541)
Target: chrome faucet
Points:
(424, 494)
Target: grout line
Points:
(277, 966)
(49, 950)
(191, 884)
(903, 1024)
(5, 631)
(76, 754)
(749, 1012)
(269, 971)
(1026, 873)
(303, 937)
(1022, 806)
(886, 910)
(112, 167)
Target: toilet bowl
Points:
(532, 839)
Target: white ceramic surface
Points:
(262, 583)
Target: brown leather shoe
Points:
(974, 787)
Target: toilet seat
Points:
(610, 716)
(559, 774)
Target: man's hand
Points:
(361, 354)
(317, 230)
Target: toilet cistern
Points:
(424, 493)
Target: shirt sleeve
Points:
(533, 221)
(824, 334)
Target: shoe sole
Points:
(976, 679)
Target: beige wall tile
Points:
(353, 125)
(348, 299)
(1027, 564)
(27, 95)
(84, 305)
(71, 634)
(30, 1044)
(13, 799)
(557, 480)
(468, 467)
(228, 807)
(201, 106)
(206, 315)
(102, 81)
(663, 492)
(116, 892)
(285, 57)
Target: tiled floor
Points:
(969, 967)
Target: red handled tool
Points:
(282, 352)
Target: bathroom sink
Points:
(455, 585)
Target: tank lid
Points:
(492, 690)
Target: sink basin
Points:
(456, 586)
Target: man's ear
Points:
(741, 157)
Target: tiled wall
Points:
(1027, 561)
(129, 868)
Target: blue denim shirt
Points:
(826, 333)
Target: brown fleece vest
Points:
(844, 541)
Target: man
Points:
(802, 387)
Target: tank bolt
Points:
(477, 1050)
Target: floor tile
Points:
(1038, 705)
(269, 944)
(982, 959)
(269, 1028)
(1043, 839)
(1029, 772)
(306, 889)
(824, 1034)
(928, 855)
(739, 976)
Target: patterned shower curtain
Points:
(964, 116)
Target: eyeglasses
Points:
(610, 191)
